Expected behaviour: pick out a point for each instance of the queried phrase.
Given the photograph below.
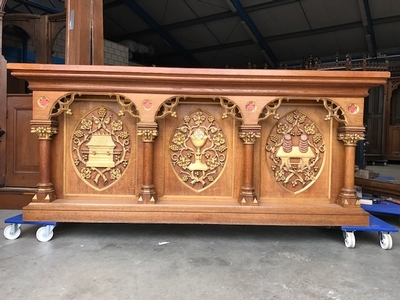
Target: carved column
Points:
(249, 134)
(148, 132)
(350, 136)
(45, 130)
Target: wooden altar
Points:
(199, 146)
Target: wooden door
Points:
(22, 146)
(373, 118)
(393, 127)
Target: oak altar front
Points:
(199, 146)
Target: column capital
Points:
(249, 133)
(148, 131)
(44, 128)
(351, 135)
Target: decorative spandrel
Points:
(198, 150)
(100, 148)
(295, 152)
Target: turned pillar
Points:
(148, 132)
(349, 136)
(44, 129)
(249, 134)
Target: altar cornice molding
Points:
(212, 82)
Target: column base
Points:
(248, 197)
(348, 198)
(147, 195)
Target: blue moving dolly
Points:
(375, 224)
(13, 231)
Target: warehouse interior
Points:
(154, 261)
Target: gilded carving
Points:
(127, 106)
(271, 109)
(148, 135)
(296, 152)
(249, 137)
(100, 148)
(167, 108)
(198, 150)
(351, 139)
(230, 108)
(334, 111)
(43, 132)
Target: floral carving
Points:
(198, 150)
(100, 148)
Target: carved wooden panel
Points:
(198, 154)
(296, 153)
(99, 150)
(22, 146)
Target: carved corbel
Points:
(351, 135)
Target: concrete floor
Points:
(126, 261)
(146, 262)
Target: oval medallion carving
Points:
(100, 148)
(295, 152)
(198, 150)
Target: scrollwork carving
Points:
(230, 109)
(334, 111)
(167, 108)
(271, 108)
(127, 106)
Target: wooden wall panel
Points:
(22, 146)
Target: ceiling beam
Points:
(366, 18)
(254, 33)
(292, 35)
(197, 21)
(159, 29)
(45, 8)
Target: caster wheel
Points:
(349, 239)
(12, 232)
(386, 241)
(44, 234)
